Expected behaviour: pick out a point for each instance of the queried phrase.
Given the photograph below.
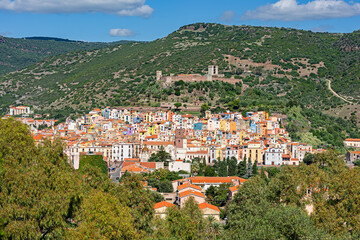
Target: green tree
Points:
(241, 168)
(195, 168)
(156, 197)
(178, 104)
(102, 216)
(252, 216)
(255, 169)
(166, 186)
(39, 191)
(161, 156)
(262, 174)
(249, 169)
(218, 196)
(131, 193)
(209, 171)
(184, 223)
(223, 171)
(232, 167)
(357, 163)
(309, 158)
(93, 160)
(204, 108)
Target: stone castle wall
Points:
(190, 78)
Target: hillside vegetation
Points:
(274, 68)
(17, 53)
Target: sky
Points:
(147, 20)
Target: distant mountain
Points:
(273, 66)
(51, 38)
(17, 53)
(272, 69)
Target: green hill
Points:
(17, 53)
(274, 66)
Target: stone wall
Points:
(190, 78)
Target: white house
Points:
(179, 165)
(273, 156)
(121, 151)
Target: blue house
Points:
(198, 126)
(253, 127)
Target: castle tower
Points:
(158, 75)
(213, 70)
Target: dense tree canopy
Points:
(43, 197)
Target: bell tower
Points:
(179, 138)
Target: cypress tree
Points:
(223, 172)
(254, 169)
(241, 168)
(232, 166)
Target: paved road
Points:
(335, 94)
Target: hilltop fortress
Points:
(212, 75)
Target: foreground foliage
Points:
(275, 209)
(42, 197)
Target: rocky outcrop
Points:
(349, 42)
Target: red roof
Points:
(157, 143)
(353, 139)
(191, 192)
(215, 179)
(208, 205)
(131, 159)
(148, 164)
(163, 204)
(198, 152)
(234, 188)
(134, 168)
(185, 185)
(151, 137)
(151, 165)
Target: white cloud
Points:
(121, 32)
(119, 7)
(144, 10)
(291, 10)
(227, 16)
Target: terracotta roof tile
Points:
(191, 192)
(185, 185)
(352, 139)
(208, 205)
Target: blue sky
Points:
(113, 20)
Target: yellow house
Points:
(218, 153)
(151, 130)
(253, 152)
(156, 129)
(232, 126)
(223, 125)
(242, 135)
